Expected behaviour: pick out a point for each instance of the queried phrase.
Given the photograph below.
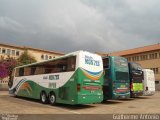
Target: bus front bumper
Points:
(136, 93)
(148, 93)
(121, 96)
(89, 99)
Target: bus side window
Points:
(62, 65)
(64, 68)
(106, 63)
(32, 72)
(71, 63)
(48, 70)
(27, 71)
(21, 72)
(17, 72)
(39, 70)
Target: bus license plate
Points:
(122, 86)
(123, 96)
(92, 91)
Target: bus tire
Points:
(52, 98)
(10, 83)
(104, 101)
(43, 97)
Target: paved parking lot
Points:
(141, 105)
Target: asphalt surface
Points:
(23, 106)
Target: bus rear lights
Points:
(121, 90)
(91, 87)
(78, 87)
(131, 87)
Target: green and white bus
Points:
(75, 78)
(116, 78)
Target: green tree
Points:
(25, 58)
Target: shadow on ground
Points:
(143, 97)
(129, 99)
(66, 106)
(110, 102)
(75, 107)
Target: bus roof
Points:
(61, 57)
(112, 57)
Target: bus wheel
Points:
(104, 101)
(52, 99)
(44, 98)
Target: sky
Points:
(71, 25)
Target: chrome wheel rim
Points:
(43, 97)
(52, 98)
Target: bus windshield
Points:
(136, 73)
(136, 66)
(121, 69)
(120, 64)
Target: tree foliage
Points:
(25, 58)
(6, 67)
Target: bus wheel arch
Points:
(44, 97)
(52, 98)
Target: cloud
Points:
(10, 24)
(93, 25)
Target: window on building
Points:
(17, 53)
(146, 57)
(42, 57)
(129, 59)
(152, 56)
(3, 51)
(153, 70)
(156, 70)
(46, 57)
(133, 58)
(13, 52)
(8, 51)
(137, 58)
(155, 55)
(157, 82)
(50, 57)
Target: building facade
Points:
(147, 56)
(15, 51)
